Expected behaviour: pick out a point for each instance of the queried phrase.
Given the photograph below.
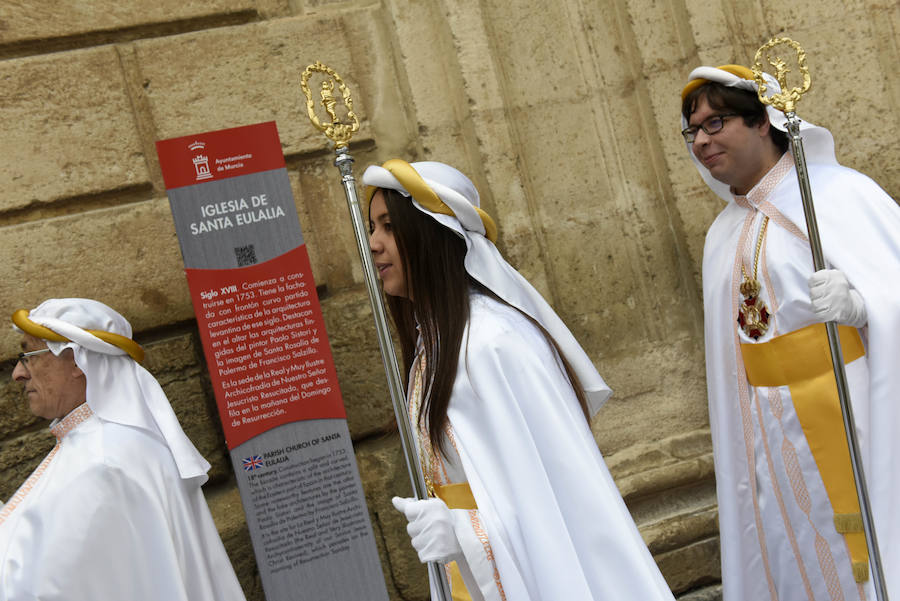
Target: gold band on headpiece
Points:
(738, 70)
(22, 321)
(410, 179)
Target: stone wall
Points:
(566, 116)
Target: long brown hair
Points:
(436, 278)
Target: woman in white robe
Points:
(523, 502)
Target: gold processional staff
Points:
(340, 133)
(785, 101)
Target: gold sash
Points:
(801, 360)
(457, 496)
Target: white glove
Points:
(833, 299)
(430, 528)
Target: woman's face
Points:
(388, 262)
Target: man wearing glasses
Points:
(115, 511)
(789, 520)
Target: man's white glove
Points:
(430, 528)
(833, 300)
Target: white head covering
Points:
(818, 143)
(118, 389)
(485, 263)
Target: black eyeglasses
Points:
(710, 125)
(23, 357)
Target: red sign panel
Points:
(220, 154)
(265, 343)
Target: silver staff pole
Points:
(785, 101)
(340, 133)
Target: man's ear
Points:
(763, 127)
(68, 355)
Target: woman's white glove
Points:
(833, 299)
(430, 528)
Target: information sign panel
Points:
(271, 367)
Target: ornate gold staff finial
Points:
(787, 99)
(337, 132)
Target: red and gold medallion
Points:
(753, 315)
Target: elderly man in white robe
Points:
(115, 511)
(789, 518)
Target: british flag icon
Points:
(253, 462)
